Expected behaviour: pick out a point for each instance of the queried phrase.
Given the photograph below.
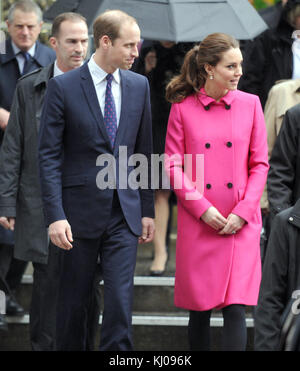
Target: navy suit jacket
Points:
(72, 136)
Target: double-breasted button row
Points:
(228, 144)
(227, 106)
(229, 185)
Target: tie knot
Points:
(25, 55)
(109, 78)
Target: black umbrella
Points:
(88, 8)
(178, 20)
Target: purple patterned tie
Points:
(110, 116)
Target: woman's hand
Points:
(214, 218)
(234, 224)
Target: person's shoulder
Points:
(139, 81)
(131, 75)
(284, 217)
(294, 111)
(244, 96)
(45, 49)
(289, 85)
(29, 79)
(69, 76)
(30, 76)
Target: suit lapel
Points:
(125, 99)
(92, 100)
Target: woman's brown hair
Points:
(193, 75)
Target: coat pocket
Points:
(241, 193)
(73, 181)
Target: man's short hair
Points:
(68, 16)
(109, 23)
(26, 6)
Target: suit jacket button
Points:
(206, 108)
(229, 185)
(207, 145)
(229, 144)
(208, 186)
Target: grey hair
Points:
(26, 6)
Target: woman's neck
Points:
(214, 92)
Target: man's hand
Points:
(148, 230)
(61, 235)
(7, 222)
(4, 116)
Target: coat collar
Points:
(44, 75)
(39, 56)
(206, 100)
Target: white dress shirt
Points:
(19, 57)
(57, 71)
(99, 80)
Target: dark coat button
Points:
(206, 107)
(227, 106)
(208, 186)
(207, 145)
(229, 185)
(229, 144)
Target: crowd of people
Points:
(237, 109)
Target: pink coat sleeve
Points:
(189, 193)
(258, 166)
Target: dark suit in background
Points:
(12, 269)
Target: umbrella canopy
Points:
(88, 8)
(181, 20)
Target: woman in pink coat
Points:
(217, 160)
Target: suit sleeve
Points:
(257, 167)
(272, 295)
(11, 155)
(189, 193)
(144, 146)
(281, 176)
(51, 152)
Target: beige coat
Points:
(284, 95)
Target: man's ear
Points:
(53, 42)
(105, 42)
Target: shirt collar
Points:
(206, 100)
(17, 50)
(57, 71)
(99, 74)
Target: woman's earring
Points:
(211, 77)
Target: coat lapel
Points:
(92, 100)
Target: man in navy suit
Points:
(92, 114)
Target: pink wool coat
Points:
(213, 271)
